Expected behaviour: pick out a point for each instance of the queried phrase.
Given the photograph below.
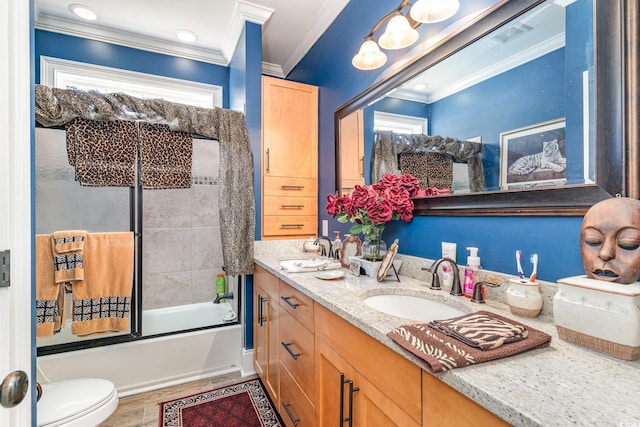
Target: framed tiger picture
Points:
(534, 156)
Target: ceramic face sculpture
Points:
(610, 240)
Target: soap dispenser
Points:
(337, 246)
(472, 274)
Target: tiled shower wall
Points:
(182, 250)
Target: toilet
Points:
(84, 402)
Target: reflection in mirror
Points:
(521, 75)
(522, 79)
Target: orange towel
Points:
(49, 294)
(68, 255)
(102, 301)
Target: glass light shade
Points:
(398, 34)
(430, 11)
(369, 57)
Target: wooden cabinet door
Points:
(351, 151)
(289, 128)
(265, 333)
(372, 408)
(332, 388)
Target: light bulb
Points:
(430, 11)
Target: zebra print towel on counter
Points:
(442, 352)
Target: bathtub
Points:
(152, 363)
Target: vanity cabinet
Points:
(351, 152)
(265, 329)
(444, 406)
(289, 159)
(297, 357)
(284, 354)
(360, 378)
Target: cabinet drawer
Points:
(297, 304)
(294, 405)
(267, 281)
(285, 186)
(279, 225)
(296, 352)
(290, 205)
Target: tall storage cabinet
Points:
(351, 152)
(289, 159)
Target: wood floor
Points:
(142, 410)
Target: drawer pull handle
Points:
(294, 420)
(292, 206)
(292, 225)
(292, 187)
(291, 353)
(292, 304)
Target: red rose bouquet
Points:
(370, 207)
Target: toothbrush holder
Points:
(524, 298)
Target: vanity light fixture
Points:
(83, 12)
(401, 30)
(186, 36)
(430, 11)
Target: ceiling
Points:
(290, 27)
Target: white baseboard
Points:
(247, 367)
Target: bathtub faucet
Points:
(228, 295)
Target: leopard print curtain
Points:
(387, 146)
(56, 107)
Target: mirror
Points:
(596, 139)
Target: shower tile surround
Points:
(182, 249)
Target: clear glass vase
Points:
(373, 247)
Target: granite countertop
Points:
(561, 385)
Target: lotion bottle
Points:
(471, 272)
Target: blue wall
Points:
(328, 65)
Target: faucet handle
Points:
(477, 291)
(435, 280)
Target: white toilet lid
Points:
(64, 400)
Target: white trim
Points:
(273, 70)
(15, 207)
(245, 12)
(61, 73)
(247, 368)
(325, 18)
(399, 123)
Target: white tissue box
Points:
(599, 315)
(371, 268)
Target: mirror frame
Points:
(617, 116)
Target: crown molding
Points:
(325, 18)
(243, 12)
(273, 70)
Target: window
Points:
(65, 74)
(399, 123)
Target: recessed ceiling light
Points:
(186, 36)
(83, 12)
(420, 86)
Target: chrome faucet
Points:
(456, 289)
(323, 249)
(228, 295)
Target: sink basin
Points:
(410, 307)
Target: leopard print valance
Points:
(388, 145)
(56, 107)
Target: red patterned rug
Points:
(243, 404)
